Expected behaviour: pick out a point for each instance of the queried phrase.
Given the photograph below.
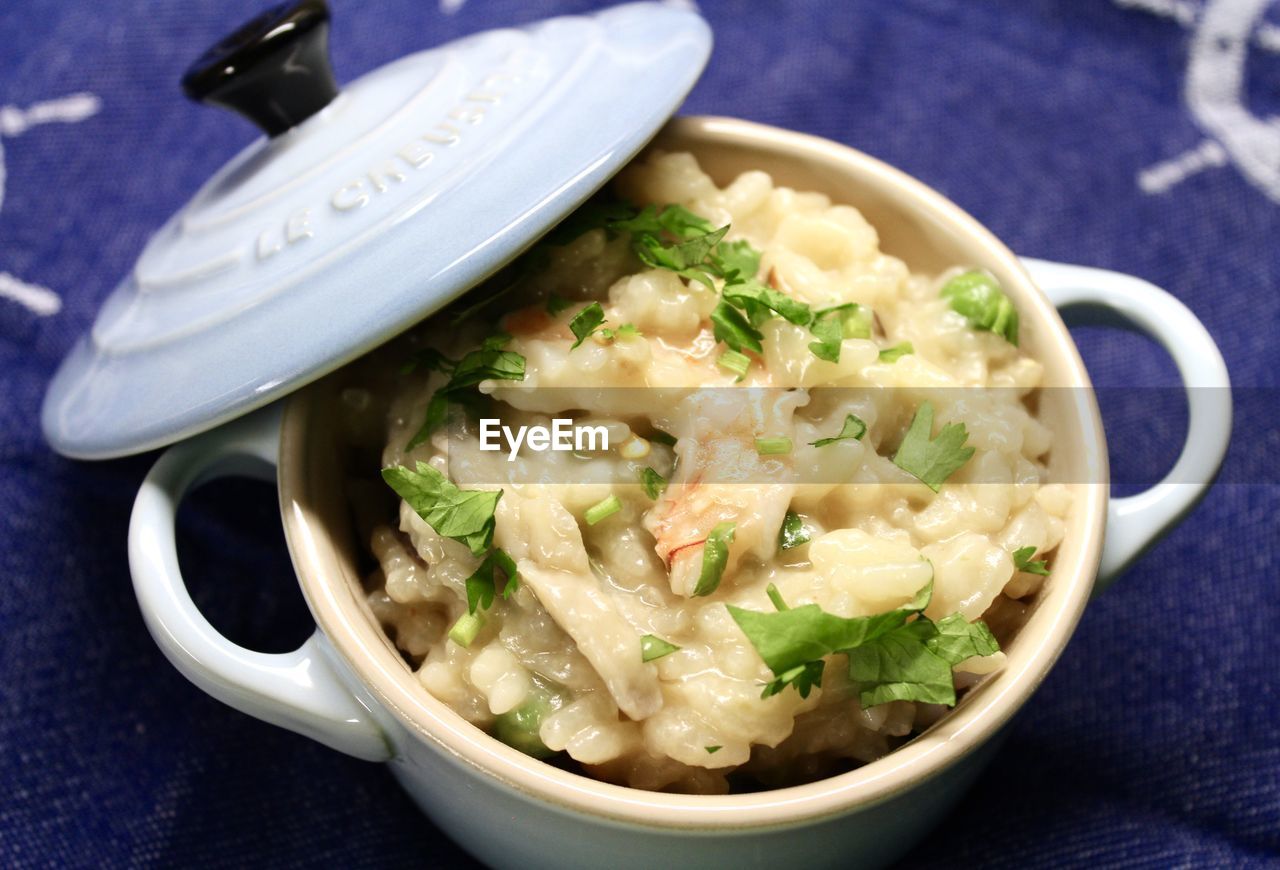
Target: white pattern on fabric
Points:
(15, 121)
(1224, 31)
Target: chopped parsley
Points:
(758, 301)
(654, 483)
(465, 515)
(429, 360)
(932, 460)
(792, 534)
(979, 298)
(653, 647)
(585, 322)
(853, 429)
(898, 655)
(1023, 562)
(556, 304)
(685, 258)
(712, 750)
(738, 260)
(715, 555)
(481, 585)
(829, 330)
(488, 362)
(730, 326)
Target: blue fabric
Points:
(1155, 741)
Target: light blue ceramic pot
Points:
(349, 688)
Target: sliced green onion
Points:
(602, 510)
(712, 750)
(464, 631)
(738, 363)
(899, 350)
(653, 647)
(773, 446)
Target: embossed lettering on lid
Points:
(310, 247)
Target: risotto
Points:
(708, 493)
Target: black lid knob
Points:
(274, 70)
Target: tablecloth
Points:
(1072, 128)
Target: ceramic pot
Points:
(349, 688)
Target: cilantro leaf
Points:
(793, 533)
(464, 515)
(899, 350)
(932, 460)
(586, 322)
(899, 666)
(734, 330)
(828, 329)
(685, 258)
(428, 359)
(437, 413)
(1023, 562)
(853, 428)
(556, 304)
(644, 221)
(804, 677)
(959, 639)
(487, 363)
(682, 223)
(674, 219)
(914, 662)
(898, 655)
(653, 647)
(654, 483)
(737, 260)
(980, 299)
(752, 296)
(791, 637)
(599, 212)
(481, 585)
(497, 341)
(715, 555)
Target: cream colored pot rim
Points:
(977, 718)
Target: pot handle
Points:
(298, 690)
(1100, 296)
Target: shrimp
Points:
(721, 478)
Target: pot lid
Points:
(363, 210)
